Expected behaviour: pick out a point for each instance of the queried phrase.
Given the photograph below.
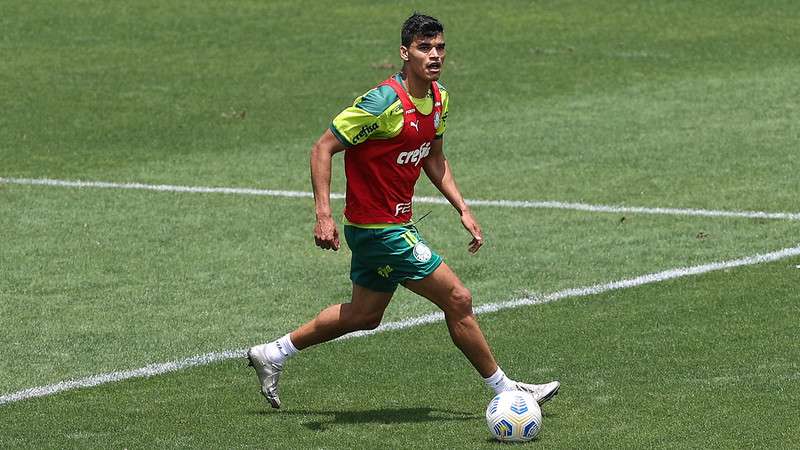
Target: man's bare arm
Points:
(438, 171)
(326, 235)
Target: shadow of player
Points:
(384, 416)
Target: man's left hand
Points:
(469, 222)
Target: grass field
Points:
(670, 104)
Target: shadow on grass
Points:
(378, 416)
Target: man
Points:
(389, 135)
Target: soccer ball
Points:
(514, 416)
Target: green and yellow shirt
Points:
(378, 114)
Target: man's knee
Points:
(370, 322)
(364, 321)
(460, 302)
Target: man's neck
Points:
(417, 88)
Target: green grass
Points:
(687, 363)
(668, 104)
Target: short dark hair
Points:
(419, 25)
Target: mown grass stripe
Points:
(208, 358)
(536, 204)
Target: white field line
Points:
(208, 358)
(429, 200)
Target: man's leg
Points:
(364, 312)
(444, 289)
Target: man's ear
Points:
(403, 53)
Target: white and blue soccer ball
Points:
(514, 416)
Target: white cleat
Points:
(541, 392)
(268, 373)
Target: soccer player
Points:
(389, 136)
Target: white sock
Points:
(280, 350)
(499, 382)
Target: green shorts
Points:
(385, 257)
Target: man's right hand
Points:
(326, 236)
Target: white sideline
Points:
(208, 358)
(429, 200)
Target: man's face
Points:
(425, 56)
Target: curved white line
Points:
(208, 358)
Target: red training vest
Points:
(381, 173)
